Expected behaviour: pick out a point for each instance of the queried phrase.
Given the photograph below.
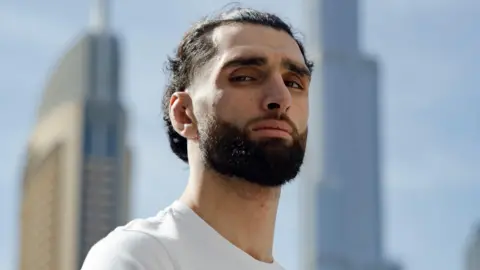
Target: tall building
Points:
(473, 250)
(341, 180)
(76, 181)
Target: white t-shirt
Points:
(176, 239)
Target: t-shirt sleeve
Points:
(128, 250)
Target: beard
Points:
(268, 162)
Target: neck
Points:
(242, 212)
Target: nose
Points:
(277, 96)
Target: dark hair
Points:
(196, 49)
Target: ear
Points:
(181, 115)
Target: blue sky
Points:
(430, 118)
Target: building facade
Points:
(76, 181)
(473, 250)
(342, 177)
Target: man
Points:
(236, 110)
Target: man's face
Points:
(251, 105)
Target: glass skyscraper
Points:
(77, 177)
(341, 179)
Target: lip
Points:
(273, 128)
(272, 133)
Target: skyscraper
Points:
(341, 179)
(76, 181)
(473, 250)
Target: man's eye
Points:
(293, 84)
(241, 79)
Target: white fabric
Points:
(175, 239)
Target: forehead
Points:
(241, 39)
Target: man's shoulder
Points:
(140, 244)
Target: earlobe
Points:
(181, 115)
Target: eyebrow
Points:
(296, 68)
(259, 61)
(243, 61)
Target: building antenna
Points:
(99, 18)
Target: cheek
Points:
(203, 108)
(234, 107)
(299, 113)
